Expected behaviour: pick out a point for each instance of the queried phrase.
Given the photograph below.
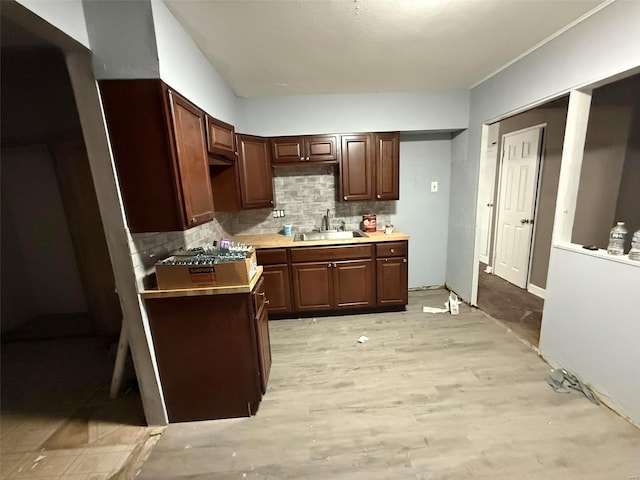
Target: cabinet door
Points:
(312, 286)
(191, 149)
(221, 138)
(287, 150)
(277, 286)
(356, 168)
(321, 148)
(264, 347)
(387, 147)
(254, 172)
(354, 284)
(392, 281)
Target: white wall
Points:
(421, 214)
(376, 112)
(122, 39)
(33, 202)
(65, 15)
(602, 45)
(599, 339)
(185, 68)
(582, 294)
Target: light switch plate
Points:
(434, 187)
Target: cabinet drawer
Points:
(391, 249)
(272, 256)
(338, 252)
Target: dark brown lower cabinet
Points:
(354, 284)
(335, 277)
(333, 285)
(312, 286)
(392, 281)
(278, 288)
(213, 353)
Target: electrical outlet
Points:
(275, 214)
(434, 187)
(282, 214)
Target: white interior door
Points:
(518, 184)
(485, 200)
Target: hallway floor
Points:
(56, 419)
(515, 307)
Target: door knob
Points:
(527, 221)
(489, 204)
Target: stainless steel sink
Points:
(329, 235)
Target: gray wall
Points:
(424, 215)
(627, 208)
(590, 324)
(607, 191)
(554, 114)
(44, 254)
(601, 46)
(122, 39)
(581, 309)
(67, 16)
(462, 169)
(307, 114)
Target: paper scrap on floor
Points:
(363, 339)
(451, 305)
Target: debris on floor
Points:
(363, 339)
(563, 382)
(451, 305)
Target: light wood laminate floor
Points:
(430, 396)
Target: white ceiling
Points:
(292, 47)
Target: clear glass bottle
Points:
(634, 253)
(617, 236)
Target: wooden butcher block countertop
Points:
(190, 292)
(277, 240)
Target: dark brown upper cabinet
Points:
(221, 141)
(248, 183)
(160, 152)
(305, 149)
(356, 168)
(387, 147)
(370, 166)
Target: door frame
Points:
(498, 197)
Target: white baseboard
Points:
(537, 291)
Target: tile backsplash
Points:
(306, 193)
(148, 248)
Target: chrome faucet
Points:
(325, 222)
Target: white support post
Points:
(572, 152)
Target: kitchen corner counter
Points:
(193, 292)
(277, 240)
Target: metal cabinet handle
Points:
(302, 159)
(262, 294)
(393, 250)
(307, 159)
(404, 260)
(266, 302)
(378, 196)
(345, 197)
(271, 202)
(329, 266)
(334, 265)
